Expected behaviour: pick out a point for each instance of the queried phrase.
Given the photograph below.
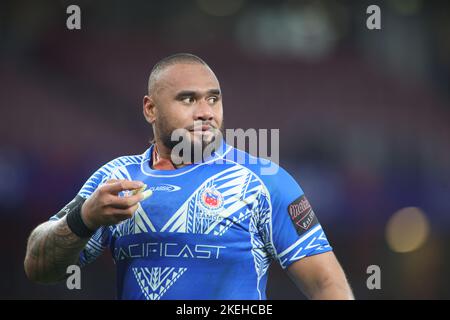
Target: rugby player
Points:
(180, 227)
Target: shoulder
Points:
(120, 162)
(124, 161)
(274, 177)
(114, 169)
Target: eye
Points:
(188, 100)
(212, 100)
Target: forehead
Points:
(187, 76)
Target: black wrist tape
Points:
(74, 220)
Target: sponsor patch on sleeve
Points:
(302, 215)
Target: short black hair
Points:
(171, 60)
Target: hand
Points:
(104, 207)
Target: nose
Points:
(203, 111)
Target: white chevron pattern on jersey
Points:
(142, 222)
(139, 223)
(239, 189)
(116, 167)
(120, 173)
(313, 239)
(154, 282)
(263, 249)
(94, 247)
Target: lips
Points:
(201, 132)
(203, 128)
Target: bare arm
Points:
(51, 248)
(321, 277)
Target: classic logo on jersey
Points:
(211, 199)
(165, 187)
(302, 215)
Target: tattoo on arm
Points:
(52, 247)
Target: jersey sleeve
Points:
(296, 231)
(101, 238)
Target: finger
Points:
(112, 181)
(123, 214)
(130, 201)
(136, 191)
(122, 185)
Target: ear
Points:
(149, 109)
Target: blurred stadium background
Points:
(364, 120)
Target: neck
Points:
(162, 151)
(162, 158)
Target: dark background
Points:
(363, 115)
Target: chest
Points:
(201, 202)
(198, 216)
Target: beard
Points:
(189, 144)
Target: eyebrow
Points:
(190, 93)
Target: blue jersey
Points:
(209, 231)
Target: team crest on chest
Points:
(211, 199)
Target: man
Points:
(212, 225)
